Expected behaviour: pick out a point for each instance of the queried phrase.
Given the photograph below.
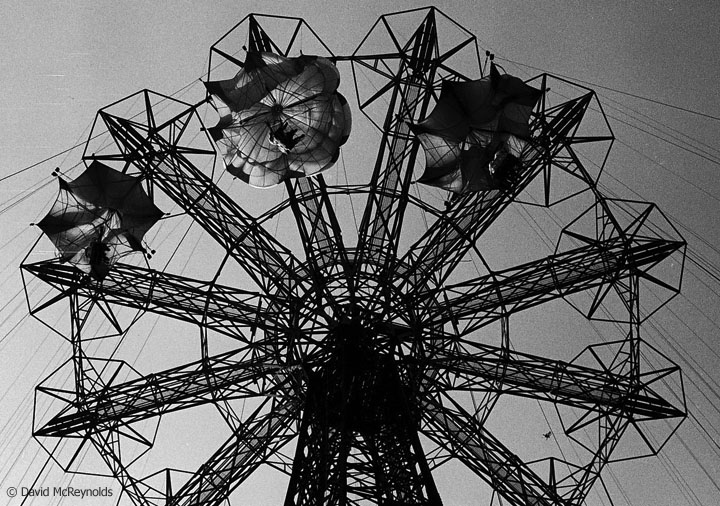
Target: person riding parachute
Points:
(280, 117)
(477, 135)
(99, 217)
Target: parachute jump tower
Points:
(361, 355)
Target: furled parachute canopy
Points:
(477, 135)
(280, 118)
(98, 218)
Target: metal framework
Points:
(362, 351)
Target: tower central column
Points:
(359, 433)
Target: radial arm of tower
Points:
(227, 310)
(411, 94)
(260, 437)
(482, 300)
(224, 376)
(264, 258)
(483, 367)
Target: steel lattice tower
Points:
(359, 349)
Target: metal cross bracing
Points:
(223, 309)
(362, 353)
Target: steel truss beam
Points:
(485, 299)
(79, 311)
(412, 87)
(258, 439)
(108, 446)
(271, 265)
(462, 435)
(436, 254)
(318, 226)
(226, 310)
(490, 368)
(222, 376)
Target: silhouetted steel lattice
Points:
(362, 350)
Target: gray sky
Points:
(61, 61)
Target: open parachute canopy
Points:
(280, 118)
(98, 218)
(477, 135)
